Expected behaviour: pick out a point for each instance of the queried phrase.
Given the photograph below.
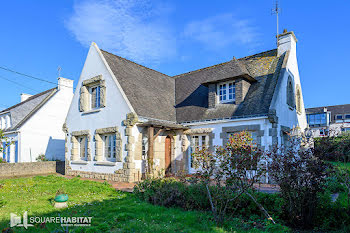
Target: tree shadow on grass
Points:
(124, 213)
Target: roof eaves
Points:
(27, 100)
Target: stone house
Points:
(126, 118)
(34, 126)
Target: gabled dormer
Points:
(229, 85)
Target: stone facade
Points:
(212, 100)
(129, 165)
(8, 170)
(242, 87)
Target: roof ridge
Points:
(136, 63)
(268, 51)
(204, 68)
(329, 106)
(29, 99)
(223, 63)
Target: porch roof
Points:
(162, 124)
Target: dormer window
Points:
(227, 92)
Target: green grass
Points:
(341, 165)
(111, 211)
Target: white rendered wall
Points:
(42, 133)
(112, 115)
(286, 116)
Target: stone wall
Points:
(9, 170)
(122, 175)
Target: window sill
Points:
(79, 162)
(228, 102)
(105, 163)
(92, 111)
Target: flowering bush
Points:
(301, 177)
(232, 169)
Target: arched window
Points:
(290, 93)
(298, 99)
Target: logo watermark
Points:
(16, 220)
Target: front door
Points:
(167, 155)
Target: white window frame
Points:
(111, 154)
(227, 94)
(98, 97)
(194, 147)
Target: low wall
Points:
(8, 170)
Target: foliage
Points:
(4, 143)
(232, 169)
(301, 177)
(41, 158)
(111, 211)
(333, 147)
(170, 192)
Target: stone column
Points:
(129, 165)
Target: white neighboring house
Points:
(124, 114)
(34, 126)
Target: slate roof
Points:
(192, 95)
(334, 109)
(22, 111)
(184, 97)
(150, 92)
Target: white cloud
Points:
(221, 31)
(135, 29)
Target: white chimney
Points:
(25, 96)
(286, 41)
(64, 83)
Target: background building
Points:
(329, 120)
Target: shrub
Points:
(2, 160)
(172, 193)
(301, 177)
(333, 148)
(232, 169)
(41, 158)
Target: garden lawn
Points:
(341, 165)
(111, 211)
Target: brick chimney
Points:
(286, 41)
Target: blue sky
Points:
(173, 37)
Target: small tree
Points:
(229, 172)
(300, 176)
(4, 143)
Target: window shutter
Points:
(84, 99)
(102, 96)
